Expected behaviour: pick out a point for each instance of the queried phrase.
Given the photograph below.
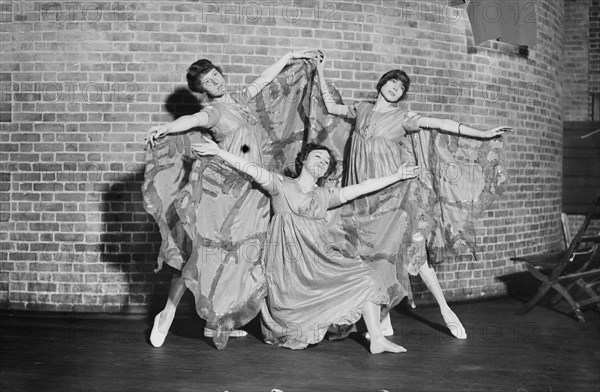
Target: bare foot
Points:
(454, 324)
(381, 344)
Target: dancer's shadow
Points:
(408, 312)
(520, 285)
(181, 103)
(127, 245)
(130, 239)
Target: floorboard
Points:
(544, 350)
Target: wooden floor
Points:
(544, 350)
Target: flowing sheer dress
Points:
(410, 223)
(311, 286)
(424, 220)
(212, 219)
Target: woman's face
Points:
(392, 90)
(213, 83)
(317, 163)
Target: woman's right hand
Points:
(406, 171)
(321, 62)
(208, 148)
(156, 132)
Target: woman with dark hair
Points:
(310, 285)
(212, 220)
(401, 230)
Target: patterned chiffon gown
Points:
(423, 220)
(413, 222)
(311, 286)
(213, 220)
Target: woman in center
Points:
(310, 285)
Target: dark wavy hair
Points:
(395, 74)
(196, 71)
(303, 154)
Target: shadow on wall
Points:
(131, 240)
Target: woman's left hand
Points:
(498, 131)
(207, 148)
(304, 54)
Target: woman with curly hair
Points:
(310, 285)
(402, 230)
(211, 219)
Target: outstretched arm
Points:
(460, 129)
(270, 73)
(258, 174)
(182, 124)
(332, 107)
(404, 172)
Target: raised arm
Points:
(182, 124)
(270, 73)
(460, 129)
(332, 107)
(258, 174)
(404, 172)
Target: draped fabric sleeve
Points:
(351, 115)
(331, 196)
(463, 177)
(282, 107)
(410, 121)
(168, 167)
(213, 115)
(241, 96)
(355, 108)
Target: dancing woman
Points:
(397, 230)
(310, 284)
(212, 220)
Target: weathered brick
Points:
(107, 101)
(39, 286)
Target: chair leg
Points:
(571, 301)
(587, 288)
(579, 315)
(535, 273)
(531, 303)
(556, 299)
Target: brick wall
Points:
(577, 98)
(594, 46)
(82, 81)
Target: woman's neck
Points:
(225, 98)
(306, 181)
(382, 105)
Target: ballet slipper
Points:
(236, 333)
(454, 325)
(381, 345)
(157, 338)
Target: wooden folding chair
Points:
(573, 273)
